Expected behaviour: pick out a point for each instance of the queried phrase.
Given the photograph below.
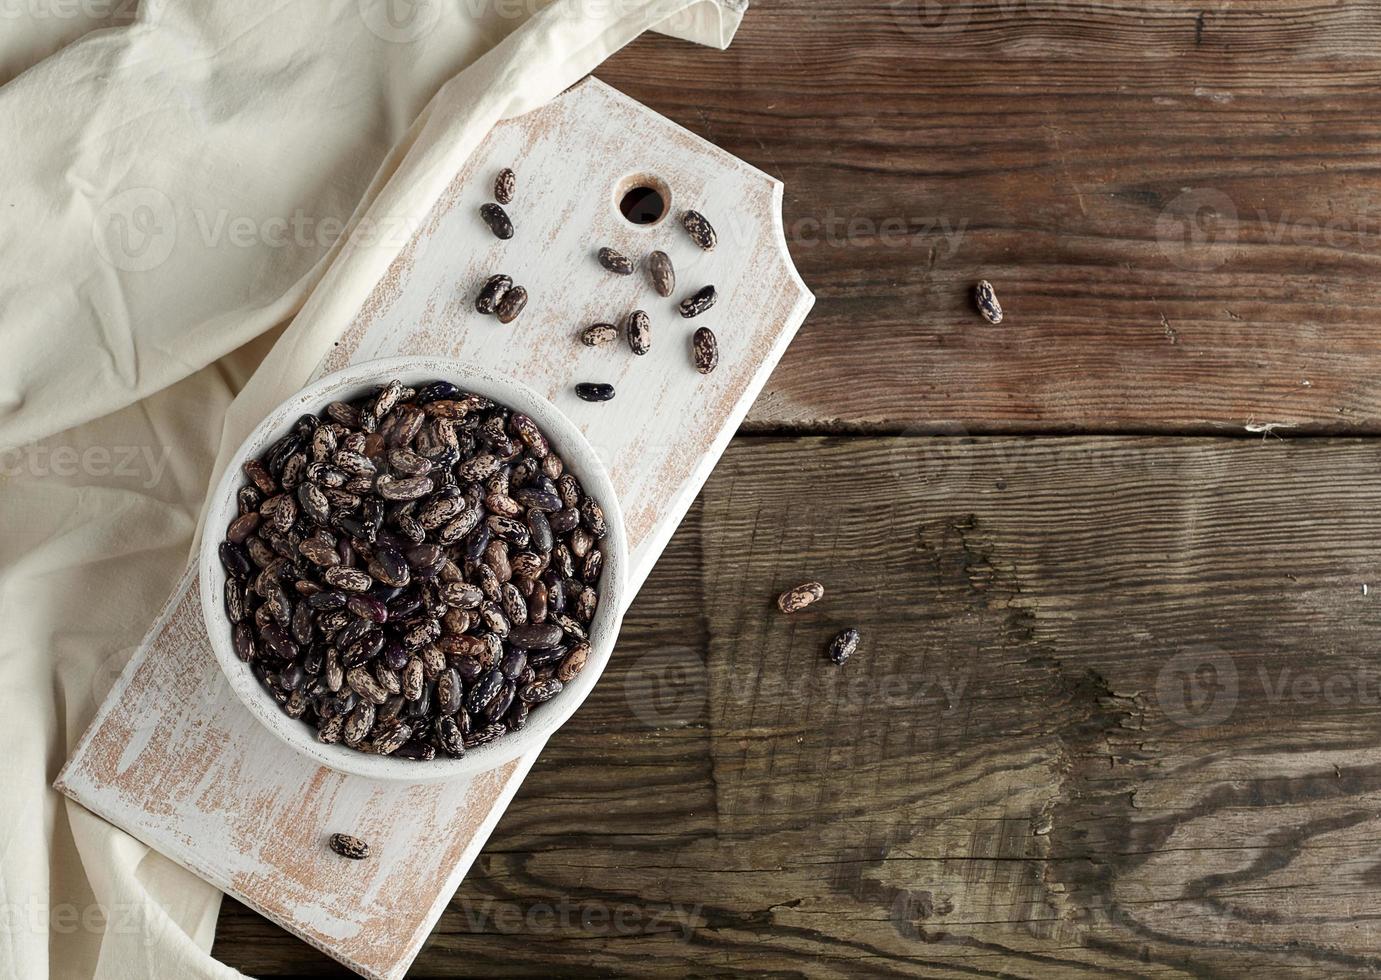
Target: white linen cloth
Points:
(174, 181)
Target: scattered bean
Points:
(492, 292)
(700, 230)
(698, 302)
(797, 598)
(705, 350)
(349, 847)
(504, 185)
(639, 332)
(843, 646)
(498, 221)
(986, 300)
(662, 273)
(615, 261)
(594, 392)
(512, 304)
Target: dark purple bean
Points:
(615, 261)
(699, 229)
(537, 499)
(426, 560)
(280, 451)
(485, 690)
(292, 678)
(249, 498)
(509, 529)
(537, 608)
(390, 567)
(502, 702)
(234, 560)
(498, 221)
(591, 391)
(539, 528)
(404, 604)
(564, 520)
(422, 634)
(410, 530)
(394, 656)
(545, 657)
(513, 663)
(420, 751)
(517, 716)
(556, 593)
(476, 542)
(368, 608)
(490, 293)
(469, 668)
(843, 646)
(449, 691)
(349, 579)
(235, 607)
(385, 593)
(314, 504)
(513, 303)
(594, 564)
(699, 302)
(592, 516)
(421, 709)
(639, 332)
(534, 637)
(327, 601)
(488, 733)
(303, 626)
(450, 739)
(243, 638)
(363, 650)
(351, 631)
(391, 736)
(570, 627)
(539, 692)
(242, 527)
(436, 391)
(278, 642)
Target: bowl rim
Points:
(580, 458)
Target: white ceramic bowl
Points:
(580, 459)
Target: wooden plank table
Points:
(1118, 706)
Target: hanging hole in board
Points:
(643, 199)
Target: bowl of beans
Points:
(413, 570)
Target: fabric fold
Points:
(192, 177)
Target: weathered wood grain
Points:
(1007, 779)
(1176, 204)
(1052, 818)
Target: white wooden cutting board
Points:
(174, 759)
